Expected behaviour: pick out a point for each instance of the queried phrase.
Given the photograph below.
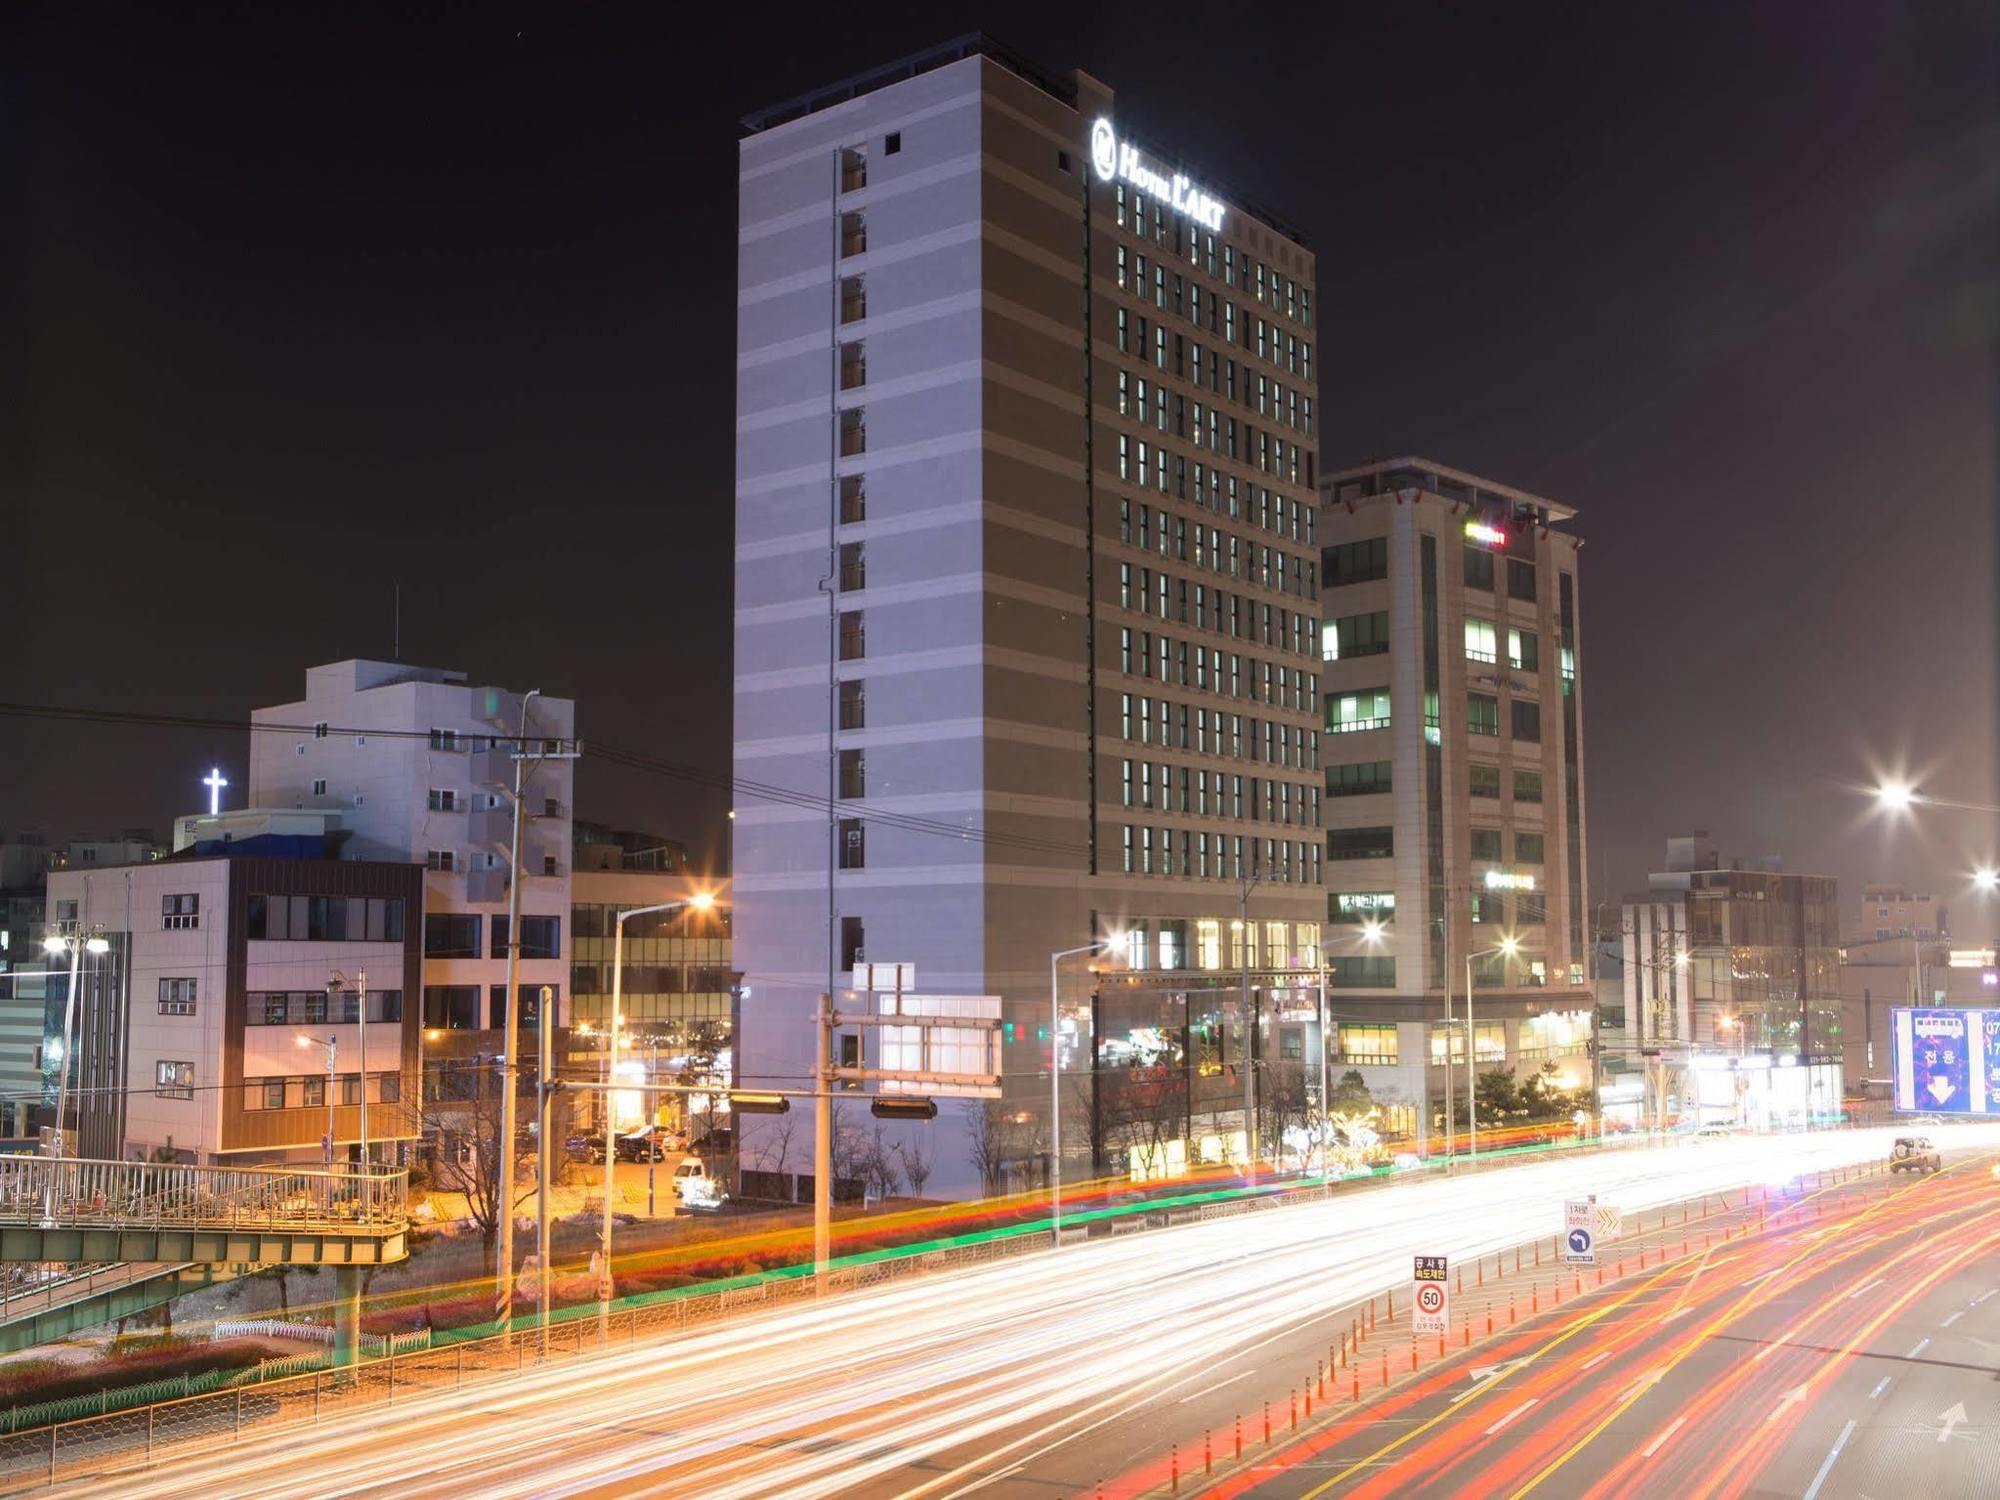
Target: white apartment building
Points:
(418, 764)
(1026, 587)
(198, 1030)
(1454, 778)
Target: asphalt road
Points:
(1051, 1373)
(1850, 1349)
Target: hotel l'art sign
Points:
(1111, 157)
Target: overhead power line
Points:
(737, 787)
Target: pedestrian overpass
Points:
(149, 1231)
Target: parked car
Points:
(585, 1148)
(694, 1188)
(649, 1144)
(1915, 1153)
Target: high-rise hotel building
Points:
(1026, 588)
(1454, 781)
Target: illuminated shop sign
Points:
(1509, 880)
(1111, 157)
(1491, 536)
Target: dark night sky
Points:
(300, 303)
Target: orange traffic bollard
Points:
(1174, 1480)
(1207, 1455)
(1510, 1309)
(1239, 1434)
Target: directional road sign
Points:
(1580, 1232)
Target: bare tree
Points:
(464, 1125)
(991, 1135)
(917, 1165)
(881, 1169)
(774, 1142)
(848, 1151)
(1286, 1105)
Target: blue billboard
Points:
(1946, 1062)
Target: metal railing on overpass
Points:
(70, 1192)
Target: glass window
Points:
(1360, 1043)
(1527, 786)
(1363, 971)
(1482, 713)
(1359, 778)
(1523, 650)
(451, 1007)
(1349, 712)
(1355, 635)
(1527, 720)
(1486, 843)
(1479, 569)
(1520, 578)
(174, 1080)
(1485, 780)
(1528, 848)
(1361, 843)
(1480, 642)
(1355, 908)
(453, 934)
(1355, 562)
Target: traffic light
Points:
(759, 1104)
(899, 1107)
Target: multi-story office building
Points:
(1893, 911)
(199, 1031)
(1026, 588)
(1732, 988)
(419, 765)
(1454, 779)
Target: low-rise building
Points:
(204, 1018)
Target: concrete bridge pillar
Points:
(346, 1316)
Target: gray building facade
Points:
(1025, 584)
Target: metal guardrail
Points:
(72, 1192)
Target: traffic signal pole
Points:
(822, 1142)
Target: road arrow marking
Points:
(1951, 1419)
(1480, 1372)
(1650, 1378)
(1796, 1394)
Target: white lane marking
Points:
(1860, 1290)
(1952, 1319)
(1595, 1359)
(1922, 1345)
(1679, 1312)
(1511, 1415)
(1753, 1280)
(1654, 1447)
(1216, 1387)
(1984, 1295)
(1880, 1386)
(1826, 1468)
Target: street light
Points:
(1055, 1084)
(75, 944)
(1986, 880)
(1509, 946)
(334, 983)
(331, 1046)
(699, 901)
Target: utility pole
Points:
(1244, 881)
(822, 1142)
(510, 1062)
(544, 1092)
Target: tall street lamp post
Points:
(331, 1046)
(1509, 946)
(699, 901)
(1055, 1085)
(76, 944)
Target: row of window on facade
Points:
(1152, 219)
(1269, 398)
(456, 935)
(1150, 339)
(1366, 560)
(1211, 794)
(1180, 726)
(1378, 908)
(175, 1080)
(1198, 855)
(324, 919)
(1368, 708)
(449, 861)
(1218, 944)
(1364, 778)
(1141, 525)
(472, 1007)
(1161, 658)
(1153, 465)
(1166, 597)
(1484, 843)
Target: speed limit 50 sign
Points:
(1430, 1295)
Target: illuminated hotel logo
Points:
(1111, 158)
(1492, 536)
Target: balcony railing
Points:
(120, 1194)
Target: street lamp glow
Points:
(97, 945)
(1895, 796)
(1986, 880)
(55, 945)
(1371, 931)
(1681, 959)
(1510, 946)
(702, 900)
